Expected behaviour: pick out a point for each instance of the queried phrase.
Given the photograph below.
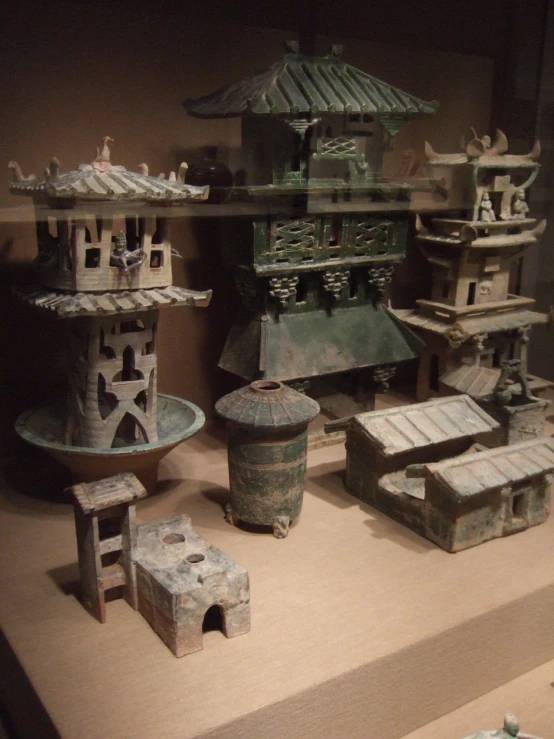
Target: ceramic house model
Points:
(472, 323)
(314, 258)
(418, 465)
(104, 262)
(164, 569)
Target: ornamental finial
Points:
(292, 47)
(102, 161)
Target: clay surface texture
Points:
(164, 569)
(267, 449)
(313, 263)
(104, 262)
(472, 325)
(425, 466)
(179, 577)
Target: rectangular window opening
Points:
(471, 293)
(92, 257)
(108, 527)
(353, 286)
(518, 504)
(301, 291)
(335, 232)
(156, 259)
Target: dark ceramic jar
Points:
(267, 449)
(209, 171)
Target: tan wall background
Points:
(75, 72)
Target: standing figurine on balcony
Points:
(474, 329)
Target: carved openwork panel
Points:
(371, 236)
(113, 381)
(298, 234)
(91, 253)
(338, 147)
(284, 240)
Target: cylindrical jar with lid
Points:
(267, 449)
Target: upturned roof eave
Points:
(312, 110)
(250, 95)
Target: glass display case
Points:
(336, 242)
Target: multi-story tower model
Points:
(104, 261)
(324, 229)
(475, 331)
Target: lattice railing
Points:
(371, 236)
(339, 147)
(294, 235)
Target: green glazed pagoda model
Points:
(324, 230)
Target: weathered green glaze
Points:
(322, 230)
(267, 450)
(266, 476)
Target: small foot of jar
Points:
(230, 517)
(281, 527)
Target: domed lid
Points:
(267, 404)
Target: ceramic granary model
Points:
(510, 730)
(476, 332)
(104, 264)
(164, 569)
(426, 466)
(267, 449)
(313, 260)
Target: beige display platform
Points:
(360, 628)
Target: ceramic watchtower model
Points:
(164, 569)
(104, 263)
(475, 331)
(267, 448)
(313, 260)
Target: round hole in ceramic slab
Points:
(193, 559)
(173, 538)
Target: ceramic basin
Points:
(43, 426)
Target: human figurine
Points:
(485, 146)
(122, 257)
(520, 207)
(486, 213)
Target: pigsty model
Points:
(425, 465)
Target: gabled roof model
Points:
(300, 84)
(397, 430)
(471, 474)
